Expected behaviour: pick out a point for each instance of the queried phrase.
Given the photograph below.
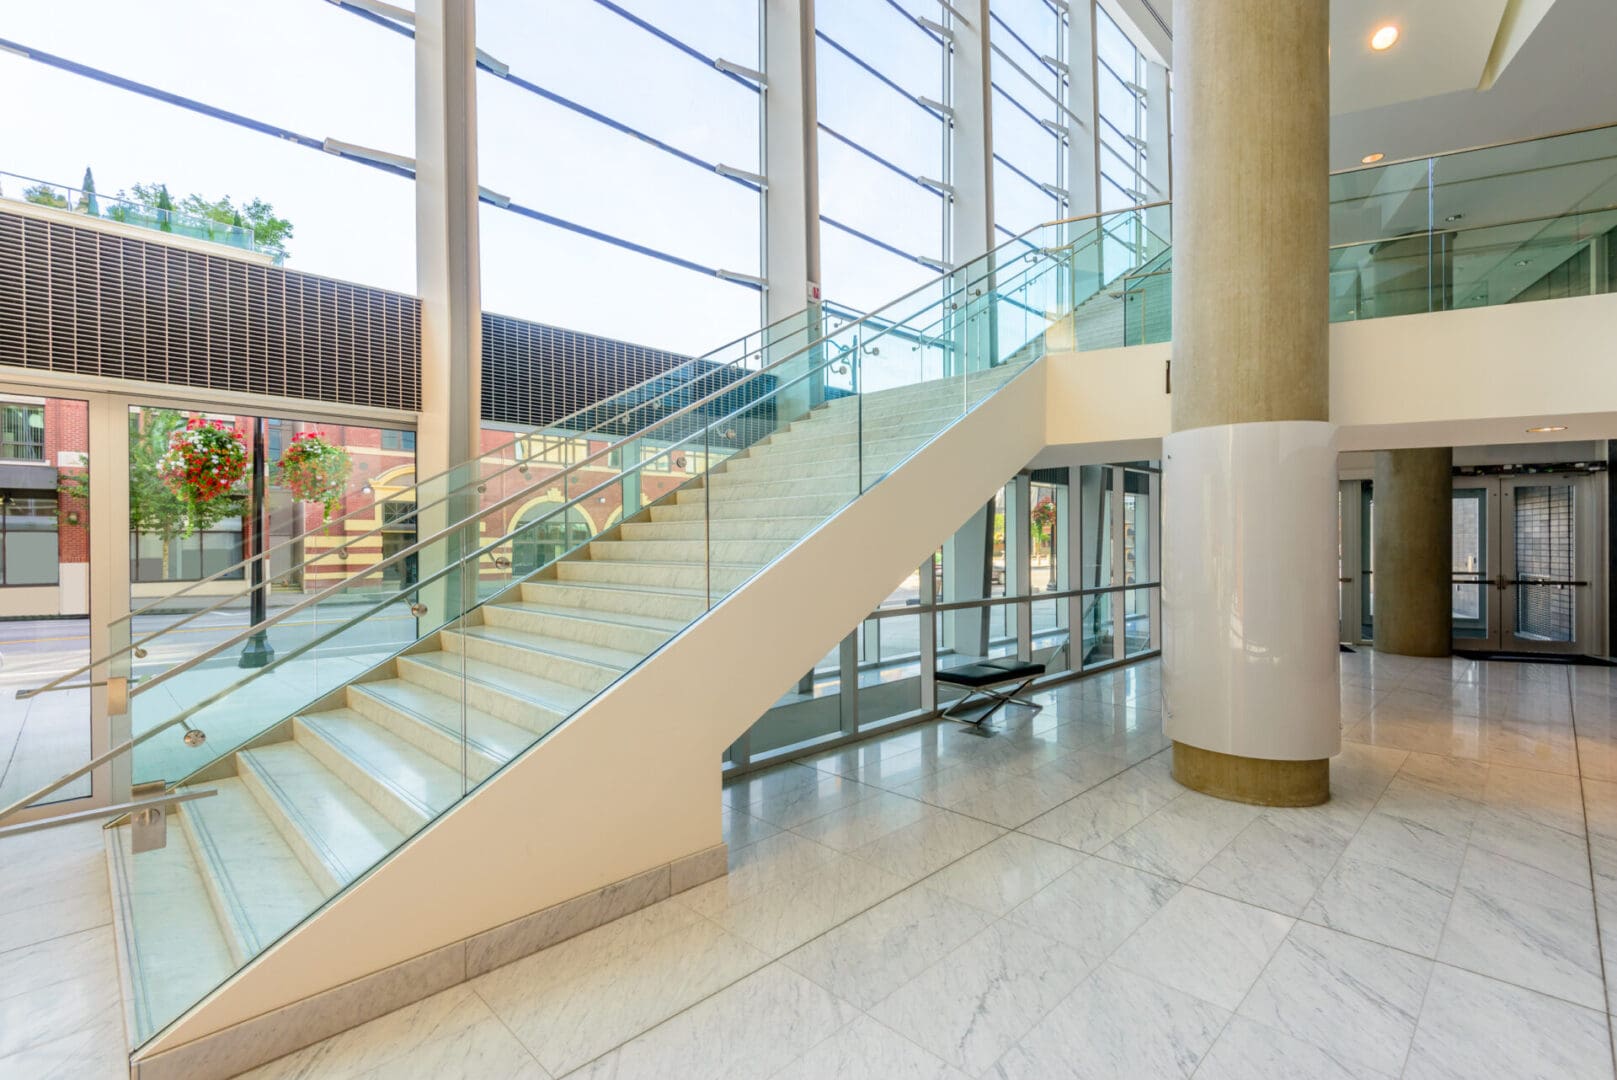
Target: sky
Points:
(324, 72)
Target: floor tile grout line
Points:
(526, 1049)
(1594, 885)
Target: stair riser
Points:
(752, 552)
(727, 488)
(426, 737)
(402, 813)
(819, 507)
(324, 875)
(823, 438)
(567, 670)
(479, 695)
(649, 575)
(872, 441)
(613, 601)
(634, 639)
(788, 529)
(194, 828)
(847, 420)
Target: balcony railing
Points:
(175, 222)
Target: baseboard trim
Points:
(275, 1034)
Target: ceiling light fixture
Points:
(1371, 159)
(1384, 38)
(1454, 217)
(1546, 429)
(1524, 262)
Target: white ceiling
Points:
(1552, 71)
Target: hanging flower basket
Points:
(1044, 519)
(204, 462)
(314, 470)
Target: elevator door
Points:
(1524, 563)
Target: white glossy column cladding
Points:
(1249, 650)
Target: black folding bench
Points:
(984, 681)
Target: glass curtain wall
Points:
(634, 213)
(234, 156)
(883, 150)
(1121, 107)
(1029, 83)
(1099, 519)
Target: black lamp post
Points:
(258, 651)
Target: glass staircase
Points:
(392, 697)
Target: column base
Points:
(1261, 781)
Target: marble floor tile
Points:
(1209, 946)
(754, 1028)
(1246, 1050)
(975, 1003)
(96, 1050)
(865, 821)
(865, 1050)
(741, 829)
(1182, 837)
(568, 1012)
(784, 856)
(794, 794)
(1115, 1024)
(1525, 840)
(1524, 926)
(1381, 904)
(927, 845)
(1103, 813)
(868, 957)
(1095, 906)
(780, 918)
(1472, 1026)
(1352, 999)
(1020, 799)
(999, 875)
(1409, 847)
(389, 1040)
(1277, 862)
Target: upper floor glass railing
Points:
(1506, 224)
(170, 220)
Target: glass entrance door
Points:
(1524, 563)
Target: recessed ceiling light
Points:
(1371, 159)
(1524, 262)
(1454, 217)
(1546, 429)
(1384, 38)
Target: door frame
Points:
(1590, 554)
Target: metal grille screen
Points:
(88, 302)
(1544, 549)
(535, 374)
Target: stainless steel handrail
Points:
(473, 557)
(568, 471)
(1472, 149)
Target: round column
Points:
(1413, 552)
(1249, 487)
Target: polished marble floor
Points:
(1047, 902)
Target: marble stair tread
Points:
(603, 655)
(408, 773)
(545, 693)
(651, 622)
(495, 739)
(334, 823)
(171, 948)
(259, 886)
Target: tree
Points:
(270, 233)
(45, 195)
(88, 204)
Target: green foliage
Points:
(88, 203)
(270, 233)
(154, 506)
(45, 195)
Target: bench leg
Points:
(1001, 698)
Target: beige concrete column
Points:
(1249, 642)
(1413, 556)
(1251, 127)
